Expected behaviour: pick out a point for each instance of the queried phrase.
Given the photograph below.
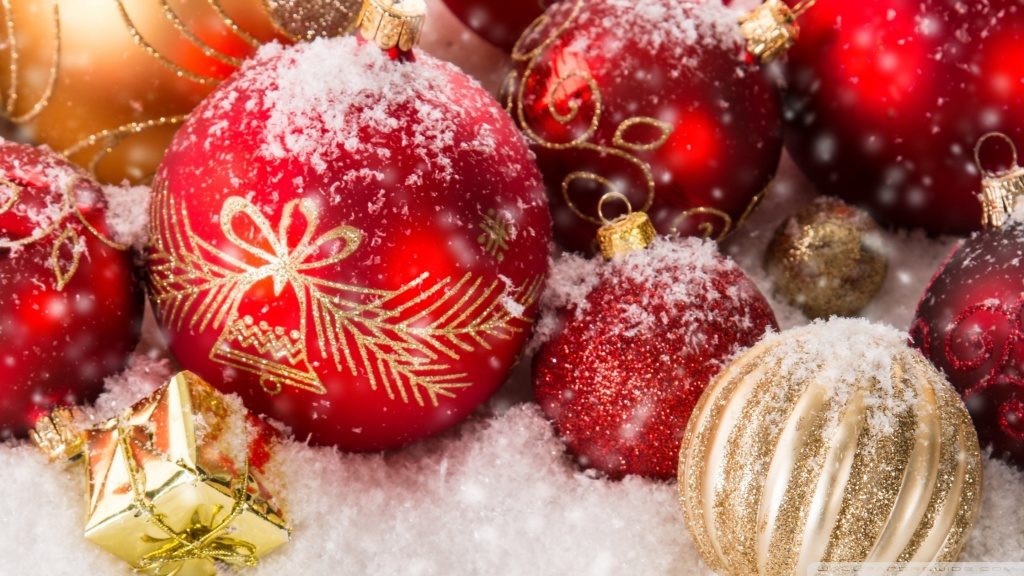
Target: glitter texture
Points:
(828, 259)
(632, 358)
(829, 443)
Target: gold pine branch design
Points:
(403, 342)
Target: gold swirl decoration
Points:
(400, 339)
(108, 82)
(68, 246)
(573, 77)
(856, 451)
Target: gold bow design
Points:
(398, 340)
(198, 541)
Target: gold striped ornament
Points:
(833, 442)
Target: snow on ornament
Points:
(70, 304)
(633, 342)
(969, 320)
(833, 442)
(353, 243)
(886, 98)
(651, 99)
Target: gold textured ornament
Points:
(828, 259)
(771, 28)
(107, 83)
(999, 190)
(308, 19)
(393, 23)
(834, 442)
(173, 485)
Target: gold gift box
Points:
(173, 483)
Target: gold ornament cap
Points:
(393, 23)
(999, 190)
(771, 29)
(56, 435)
(625, 234)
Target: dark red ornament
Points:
(70, 305)
(352, 243)
(970, 324)
(500, 22)
(886, 99)
(651, 99)
(622, 375)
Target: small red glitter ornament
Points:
(652, 99)
(70, 305)
(500, 22)
(970, 321)
(632, 356)
(887, 97)
(352, 243)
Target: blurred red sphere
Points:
(352, 244)
(970, 324)
(622, 375)
(500, 22)
(652, 100)
(886, 99)
(70, 304)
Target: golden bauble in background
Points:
(828, 259)
(107, 82)
(834, 442)
(307, 19)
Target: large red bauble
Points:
(70, 305)
(886, 99)
(632, 358)
(500, 22)
(970, 324)
(352, 244)
(650, 99)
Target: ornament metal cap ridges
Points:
(771, 29)
(628, 233)
(56, 435)
(393, 23)
(999, 190)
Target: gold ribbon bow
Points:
(284, 263)
(199, 541)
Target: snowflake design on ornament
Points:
(496, 231)
(402, 340)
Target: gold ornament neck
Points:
(393, 24)
(771, 29)
(999, 190)
(626, 234)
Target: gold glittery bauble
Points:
(828, 259)
(315, 18)
(833, 442)
(107, 82)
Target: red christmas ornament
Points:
(970, 321)
(887, 97)
(651, 99)
(631, 359)
(70, 306)
(500, 22)
(352, 243)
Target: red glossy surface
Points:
(419, 297)
(500, 22)
(887, 98)
(58, 343)
(593, 80)
(970, 323)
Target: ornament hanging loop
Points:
(628, 233)
(999, 190)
